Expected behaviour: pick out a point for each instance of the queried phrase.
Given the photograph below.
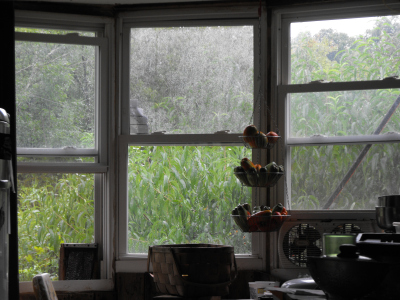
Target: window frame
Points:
(282, 87)
(246, 15)
(103, 167)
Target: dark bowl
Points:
(347, 278)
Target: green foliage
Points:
(52, 209)
(184, 195)
(317, 171)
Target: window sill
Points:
(139, 264)
(26, 287)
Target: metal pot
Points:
(385, 216)
(389, 201)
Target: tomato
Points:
(272, 137)
(284, 211)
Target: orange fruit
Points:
(272, 137)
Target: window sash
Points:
(101, 168)
(138, 262)
(126, 31)
(282, 89)
(101, 96)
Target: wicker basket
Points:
(193, 270)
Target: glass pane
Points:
(344, 113)
(318, 176)
(179, 195)
(345, 50)
(52, 209)
(191, 79)
(51, 159)
(55, 92)
(53, 31)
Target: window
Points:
(339, 93)
(62, 134)
(189, 96)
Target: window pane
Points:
(185, 195)
(317, 171)
(52, 209)
(55, 92)
(191, 79)
(343, 113)
(345, 50)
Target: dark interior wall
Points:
(7, 102)
(112, 10)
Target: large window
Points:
(61, 142)
(190, 95)
(340, 86)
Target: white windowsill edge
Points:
(73, 286)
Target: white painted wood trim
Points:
(73, 286)
(56, 18)
(345, 140)
(61, 168)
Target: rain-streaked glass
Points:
(345, 49)
(188, 80)
(55, 94)
(344, 113)
(52, 209)
(318, 176)
(179, 195)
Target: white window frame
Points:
(282, 87)
(246, 15)
(102, 152)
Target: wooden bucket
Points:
(193, 270)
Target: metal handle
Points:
(5, 184)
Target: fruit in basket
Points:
(261, 140)
(252, 176)
(265, 220)
(240, 215)
(250, 132)
(241, 175)
(247, 164)
(254, 219)
(277, 208)
(262, 176)
(272, 137)
(272, 167)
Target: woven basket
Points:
(193, 270)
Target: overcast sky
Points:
(352, 27)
